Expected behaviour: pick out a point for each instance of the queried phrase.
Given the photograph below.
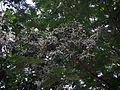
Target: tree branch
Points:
(94, 74)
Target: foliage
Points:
(60, 44)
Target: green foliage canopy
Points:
(58, 43)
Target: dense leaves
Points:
(60, 45)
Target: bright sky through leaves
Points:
(30, 2)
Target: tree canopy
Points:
(60, 45)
